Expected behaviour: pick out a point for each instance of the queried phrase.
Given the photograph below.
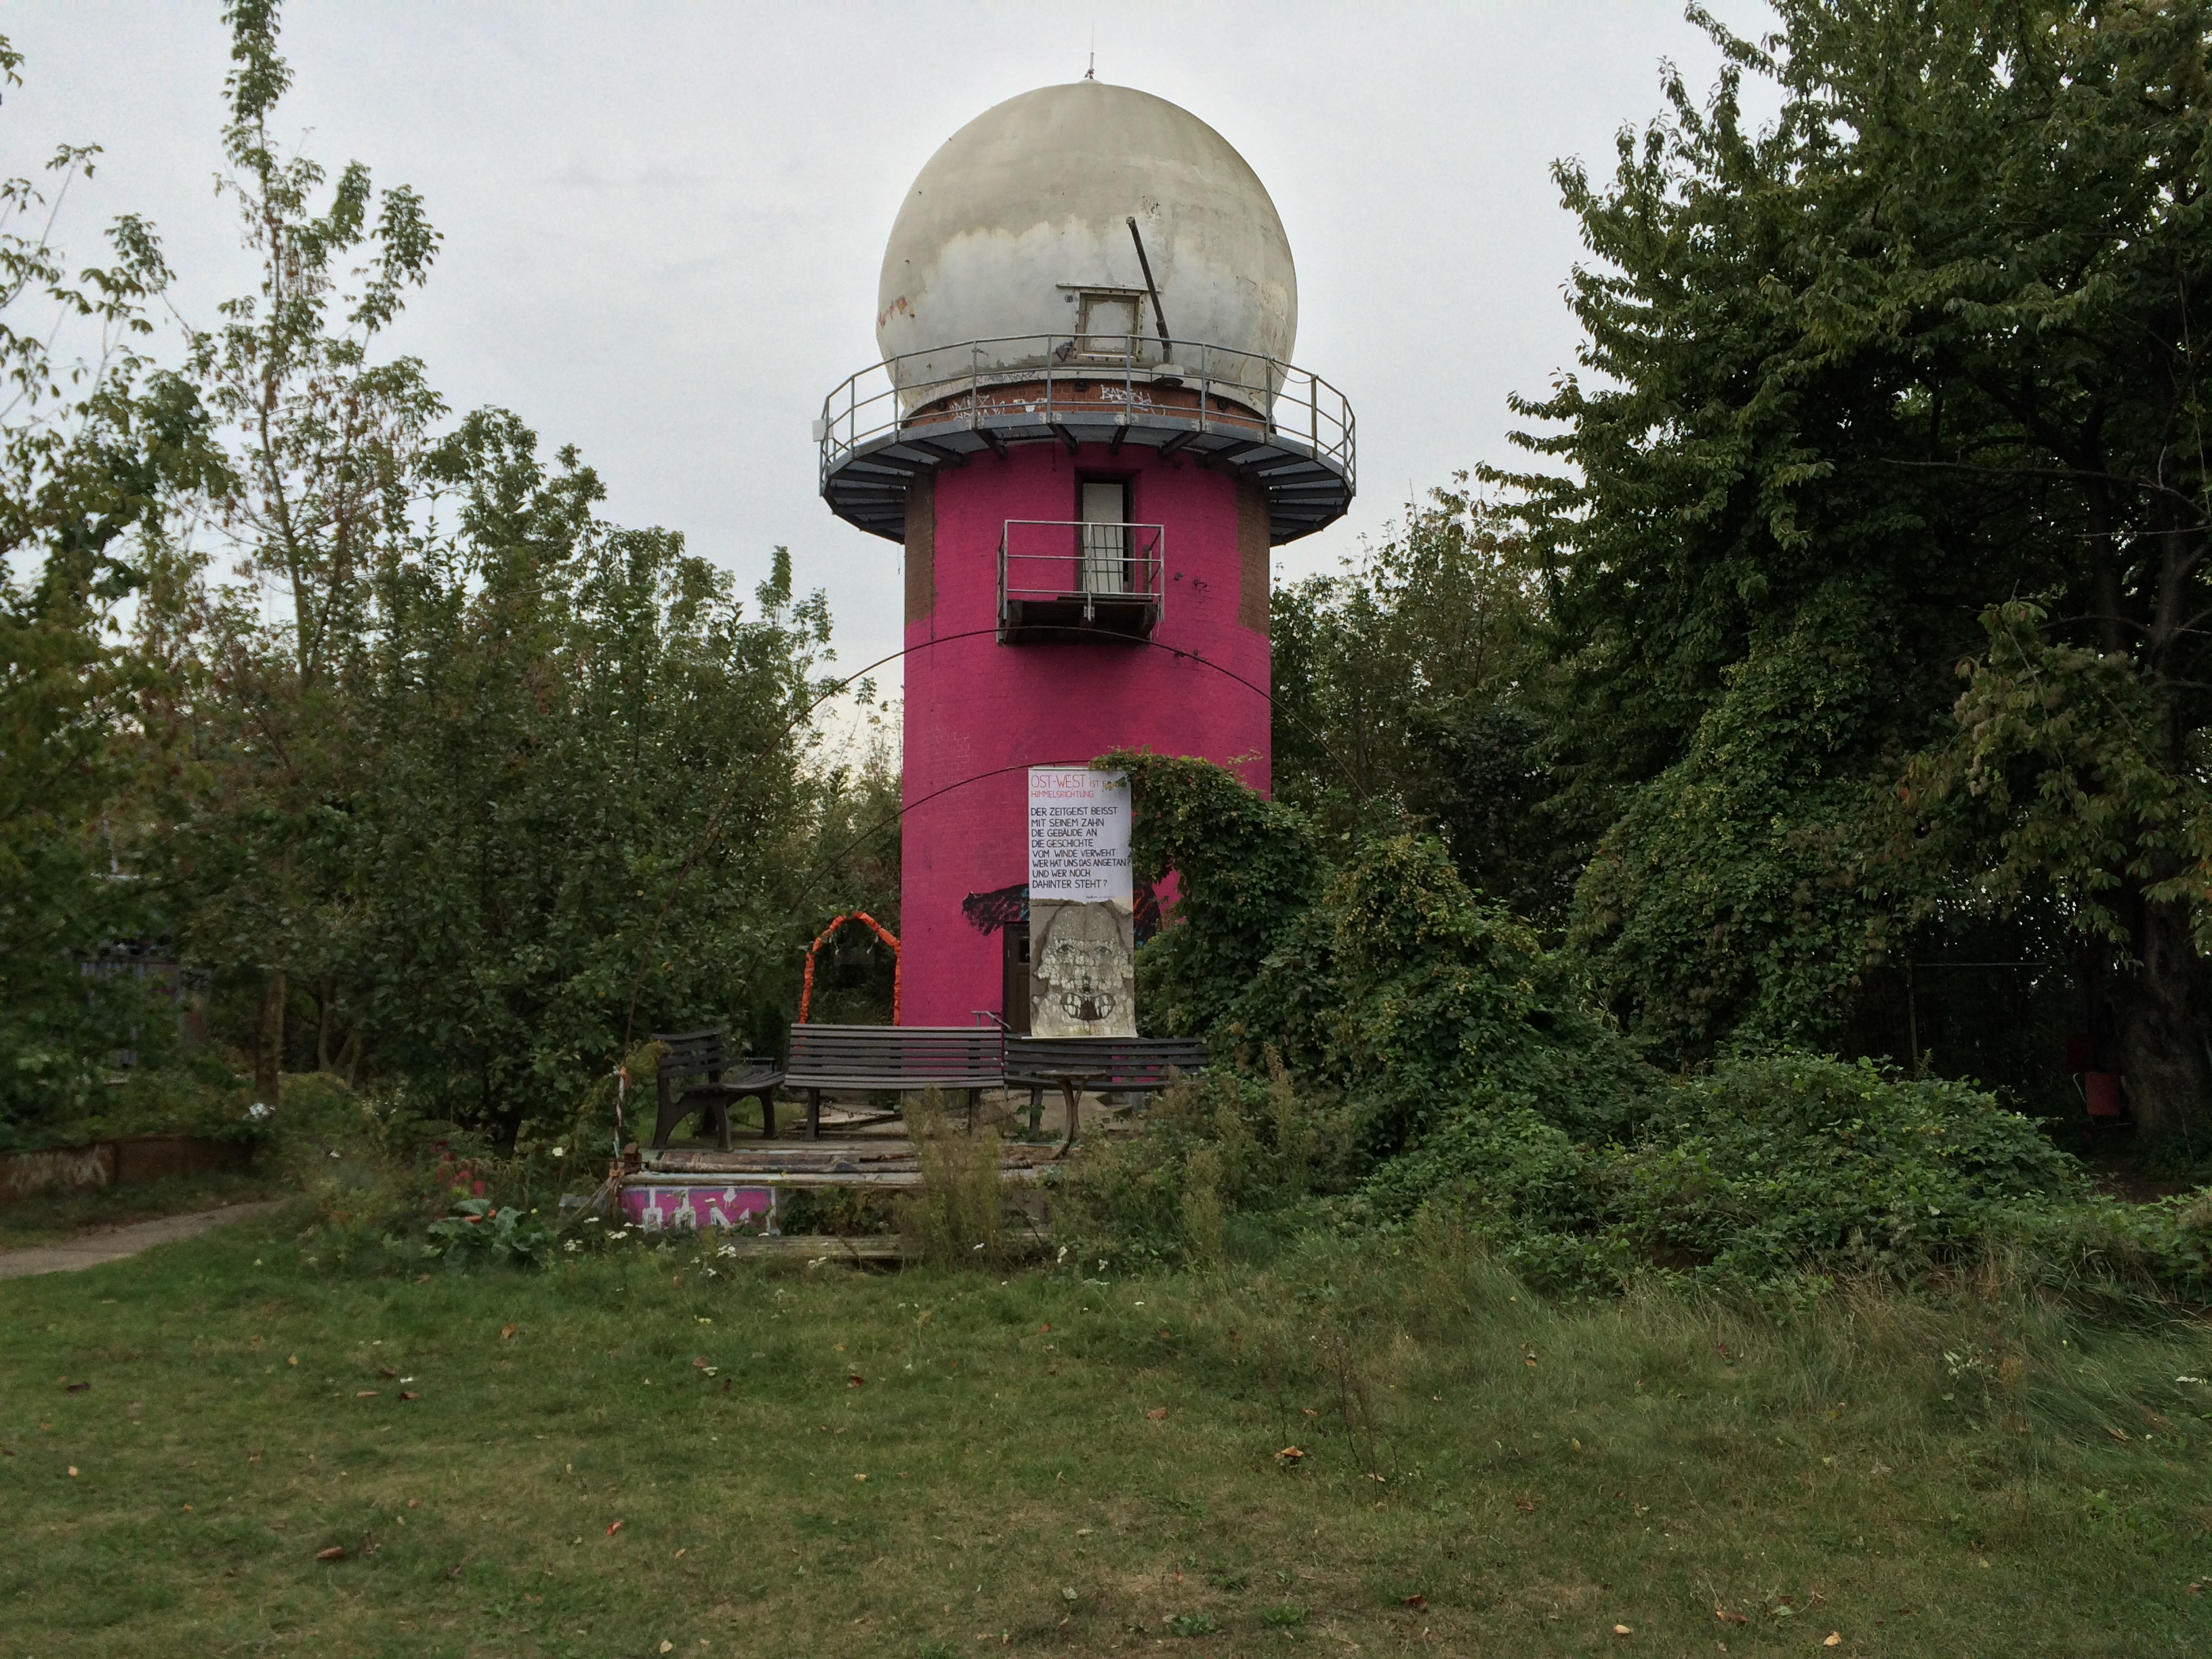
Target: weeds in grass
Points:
(1202, 1208)
(956, 1215)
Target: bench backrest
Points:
(692, 1053)
(1126, 1061)
(901, 1056)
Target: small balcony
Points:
(1064, 582)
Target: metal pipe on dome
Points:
(1159, 312)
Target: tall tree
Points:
(325, 441)
(1414, 684)
(1929, 344)
(91, 444)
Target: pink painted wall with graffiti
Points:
(979, 713)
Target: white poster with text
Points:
(1079, 836)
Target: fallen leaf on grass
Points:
(409, 1393)
(855, 1380)
(506, 1331)
(1835, 1639)
(668, 1647)
(1289, 1454)
(336, 1553)
(386, 1370)
(293, 1360)
(613, 1527)
(1727, 1618)
(364, 1394)
(1621, 1630)
(1307, 1411)
(76, 1387)
(72, 1469)
(2120, 1435)
(1158, 1413)
(1418, 1601)
(1526, 1505)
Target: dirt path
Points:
(114, 1244)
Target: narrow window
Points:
(1104, 510)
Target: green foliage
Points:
(1927, 344)
(480, 1232)
(1414, 684)
(1245, 870)
(454, 785)
(1453, 1065)
(89, 447)
(1734, 896)
(1776, 1173)
(957, 1215)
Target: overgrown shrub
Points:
(1457, 1071)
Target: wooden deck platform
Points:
(858, 1161)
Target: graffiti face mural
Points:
(1081, 970)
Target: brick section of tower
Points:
(979, 714)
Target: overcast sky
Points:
(663, 222)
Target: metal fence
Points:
(1061, 575)
(1082, 379)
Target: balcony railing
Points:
(1063, 580)
(1078, 381)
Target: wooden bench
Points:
(704, 1055)
(1131, 1065)
(898, 1058)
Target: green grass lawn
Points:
(632, 1455)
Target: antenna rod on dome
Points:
(1159, 315)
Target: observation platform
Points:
(1281, 426)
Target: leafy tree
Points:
(1928, 343)
(88, 447)
(324, 443)
(1413, 685)
(587, 809)
(467, 786)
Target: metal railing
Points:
(1060, 575)
(1047, 378)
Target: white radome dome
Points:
(1017, 227)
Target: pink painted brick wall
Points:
(979, 714)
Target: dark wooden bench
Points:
(704, 1055)
(1131, 1065)
(901, 1059)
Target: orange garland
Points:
(898, 960)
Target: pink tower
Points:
(1088, 435)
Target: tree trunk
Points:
(269, 1047)
(2163, 1063)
